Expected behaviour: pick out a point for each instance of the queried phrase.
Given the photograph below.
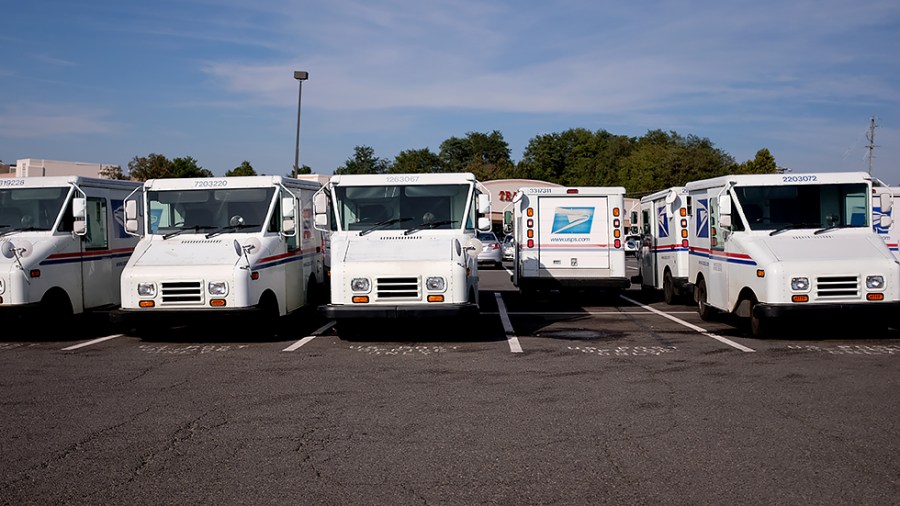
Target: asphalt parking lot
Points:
(564, 400)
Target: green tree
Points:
(364, 161)
(112, 172)
(485, 155)
(188, 167)
(417, 161)
(152, 166)
(762, 163)
(244, 169)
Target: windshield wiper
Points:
(195, 228)
(793, 226)
(431, 224)
(384, 223)
(833, 227)
(229, 227)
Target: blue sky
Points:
(105, 81)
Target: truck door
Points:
(574, 232)
(717, 287)
(96, 273)
(648, 246)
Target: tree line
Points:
(575, 157)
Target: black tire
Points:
(498, 265)
(57, 309)
(760, 326)
(705, 311)
(669, 295)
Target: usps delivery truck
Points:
(402, 245)
(568, 238)
(777, 245)
(891, 233)
(62, 246)
(232, 247)
(665, 247)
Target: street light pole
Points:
(299, 75)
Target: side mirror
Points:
(886, 202)
(320, 203)
(288, 223)
(79, 212)
(724, 206)
(473, 247)
(886, 221)
(507, 218)
(484, 203)
(484, 224)
(132, 224)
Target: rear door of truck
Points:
(574, 232)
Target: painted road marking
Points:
(95, 341)
(625, 351)
(511, 338)
(851, 349)
(403, 350)
(577, 313)
(692, 326)
(310, 337)
(508, 270)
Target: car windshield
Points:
(404, 207)
(487, 237)
(24, 209)
(205, 210)
(804, 206)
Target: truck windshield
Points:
(403, 207)
(778, 208)
(205, 210)
(30, 208)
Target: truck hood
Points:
(195, 250)
(402, 248)
(837, 245)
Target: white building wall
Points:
(33, 167)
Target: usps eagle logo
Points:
(662, 222)
(573, 220)
(702, 223)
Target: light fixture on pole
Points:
(299, 75)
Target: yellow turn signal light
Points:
(435, 298)
(800, 298)
(874, 296)
(217, 302)
(360, 299)
(146, 303)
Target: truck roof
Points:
(56, 181)
(191, 183)
(780, 179)
(389, 179)
(662, 194)
(572, 190)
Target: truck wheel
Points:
(668, 288)
(58, 311)
(705, 311)
(760, 326)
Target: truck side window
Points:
(645, 223)
(716, 237)
(96, 237)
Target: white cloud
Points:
(47, 120)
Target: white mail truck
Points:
(222, 247)
(664, 251)
(402, 245)
(62, 246)
(568, 238)
(779, 245)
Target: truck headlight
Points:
(800, 284)
(219, 288)
(2, 286)
(435, 284)
(874, 282)
(360, 285)
(146, 289)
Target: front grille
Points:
(837, 287)
(398, 288)
(182, 292)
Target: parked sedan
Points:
(490, 249)
(509, 248)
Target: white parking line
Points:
(508, 270)
(511, 338)
(692, 326)
(310, 337)
(94, 341)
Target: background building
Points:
(33, 167)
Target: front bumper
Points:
(573, 283)
(172, 317)
(361, 311)
(867, 311)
